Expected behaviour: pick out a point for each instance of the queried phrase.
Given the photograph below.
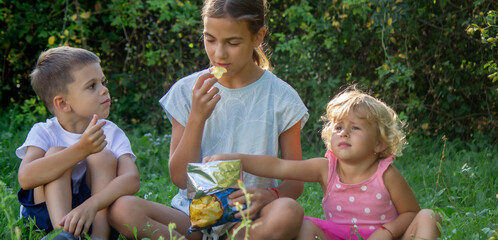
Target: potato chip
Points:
(205, 211)
(218, 71)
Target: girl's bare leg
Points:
(280, 219)
(424, 226)
(310, 231)
(131, 215)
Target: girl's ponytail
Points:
(260, 58)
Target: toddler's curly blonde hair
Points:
(377, 113)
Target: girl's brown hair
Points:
(252, 11)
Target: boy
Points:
(74, 166)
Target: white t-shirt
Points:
(246, 120)
(46, 135)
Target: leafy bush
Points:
(433, 61)
(415, 55)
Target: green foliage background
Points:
(433, 61)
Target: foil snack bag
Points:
(208, 187)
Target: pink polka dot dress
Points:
(355, 209)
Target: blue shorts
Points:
(39, 212)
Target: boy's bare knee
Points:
(102, 160)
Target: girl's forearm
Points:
(290, 188)
(260, 165)
(187, 151)
(271, 167)
(399, 225)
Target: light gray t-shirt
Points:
(49, 134)
(246, 120)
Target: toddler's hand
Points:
(204, 96)
(380, 234)
(219, 157)
(93, 139)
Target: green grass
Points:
(466, 194)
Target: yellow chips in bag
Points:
(205, 211)
(208, 188)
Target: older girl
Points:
(248, 110)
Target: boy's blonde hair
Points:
(377, 113)
(54, 71)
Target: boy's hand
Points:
(93, 139)
(79, 219)
(204, 96)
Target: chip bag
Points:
(209, 185)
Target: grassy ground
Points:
(458, 179)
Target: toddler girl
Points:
(364, 195)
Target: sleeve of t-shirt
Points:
(178, 100)
(37, 137)
(119, 142)
(290, 109)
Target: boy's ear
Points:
(60, 104)
(259, 37)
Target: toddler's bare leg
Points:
(57, 194)
(424, 226)
(101, 169)
(310, 231)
